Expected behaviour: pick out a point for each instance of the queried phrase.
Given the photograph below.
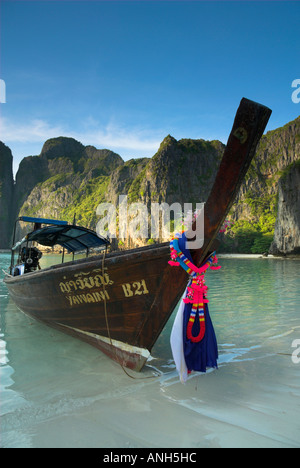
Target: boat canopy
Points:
(73, 238)
(28, 219)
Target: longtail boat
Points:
(120, 302)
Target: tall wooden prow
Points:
(248, 127)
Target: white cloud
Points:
(36, 131)
(119, 138)
(134, 141)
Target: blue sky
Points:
(124, 74)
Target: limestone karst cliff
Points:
(287, 228)
(6, 195)
(69, 180)
(258, 203)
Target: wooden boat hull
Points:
(119, 306)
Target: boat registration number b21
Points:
(135, 289)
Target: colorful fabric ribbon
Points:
(197, 290)
(199, 341)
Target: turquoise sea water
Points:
(56, 391)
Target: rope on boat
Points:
(109, 335)
(7, 274)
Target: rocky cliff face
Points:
(59, 183)
(32, 171)
(122, 179)
(257, 205)
(181, 171)
(6, 195)
(287, 228)
(276, 151)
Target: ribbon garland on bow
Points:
(197, 291)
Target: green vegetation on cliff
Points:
(85, 202)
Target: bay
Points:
(56, 391)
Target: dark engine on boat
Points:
(30, 257)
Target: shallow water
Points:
(59, 392)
